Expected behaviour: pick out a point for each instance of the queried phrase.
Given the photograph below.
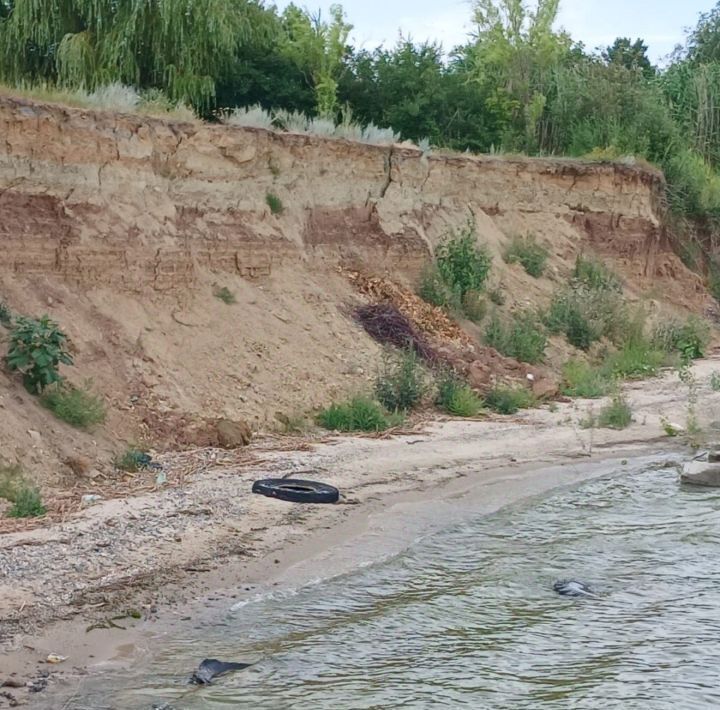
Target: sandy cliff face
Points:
(120, 227)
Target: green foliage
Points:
(456, 397)
(37, 348)
(435, 291)
(78, 407)
(359, 414)
(689, 339)
(615, 415)
(583, 380)
(26, 499)
(132, 460)
(636, 359)
(462, 264)
(5, 314)
(523, 338)
(508, 400)
(402, 383)
(225, 295)
(595, 275)
(527, 252)
(274, 203)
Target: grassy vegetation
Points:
(580, 379)
(133, 459)
(78, 407)
(615, 415)
(595, 275)
(26, 499)
(689, 339)
(474, 306)
(5, 314)
(636, 359)
(402, 383)
(523, 338)
(529, 254)
(436, 292)
(508, 400)
(225, 295)
(274, 203)
(358, 414)
(456, 397)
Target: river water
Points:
(466, 617)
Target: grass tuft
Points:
(78, 407)
(529, 254)
(456, 397)
(583, 380)
(132, 460)
(26, 499)
(508, 400)
(225, 295)
(274, 203)
(402, 382)
(523, 338)
(615, 415)
(359, 414)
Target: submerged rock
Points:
(701, 473)
(572, 588)
(212, 668)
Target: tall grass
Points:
(522, 338)
(359, 414)
(527, 252)
(456, 397)
(402, 382)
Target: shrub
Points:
(474, 306)
(435, 291)
(27, 504)
(523, 339)
(132, 460)
(37, 348)
(274, 203)
(636, 359)
(359, 414)
(5, 314)
(583, 380)
(508, 400)
(527, 252)
(402, 383)
(595, 275)
(689, 339)
(615, 415)
(225, 295)
(463, 265)
(249, 117)
(456, 397)
(78, 407)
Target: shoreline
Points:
(210, 544)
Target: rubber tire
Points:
(294, 490)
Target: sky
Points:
(661, 23)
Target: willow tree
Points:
(179, 46)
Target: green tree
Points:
(631, 55)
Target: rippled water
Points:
(468, 618)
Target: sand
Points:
(174, 553)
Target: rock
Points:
(35, 436)
(545, 388)
(90, 499)
(714, 455)
(233, 435)
(701, 473)
(56, 658)
(479, 375)
(78, 464)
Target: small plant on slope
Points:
(37, 349)
(359, 414)
(529, 254)
(463, 265)
(615, 415)
(78, 407)
(274, 203)
(523, 338)
(402, 384)
(508, 400)
(456, 397)
(225, 295)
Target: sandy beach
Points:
(90, 587)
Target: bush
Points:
(508, 400)
(27, 504)
(474, 306)
(527, 252)
(435, 291)
(225, 295)
(583, 380)
(523, 339)
(359, 414)
(456, 397)
(595, 275)
(402, 384)
(463, 265)
(689, 339)
(37, 348)
(274, 203)
(78, 407)
(132, 460)
(635, 360)
(615, 415)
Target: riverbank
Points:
(168, 554)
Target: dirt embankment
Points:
(121, 227)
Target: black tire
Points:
(296, 491)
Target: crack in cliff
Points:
(388, 180)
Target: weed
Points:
(523, 339)
(583, 380)
(27, 504)
(635, 360)
(508, 400)
(474, 306)
(274, 203)
(11, 480)
(37, 348)
(78, 407)
(689, 339)
(249, 117)
(715, 381)
(615, 415)
(359, 414)
(688, 378)
(527, 252)
(595, 275)
(132, 460)
(435, 291)
(402, 383)
(463, 265)
(225, 295)
(5, 314)
(456, 397)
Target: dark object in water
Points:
(297, 491)
(572, 588)
(211, 668)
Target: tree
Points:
(631, 55)
(703, 43)
(179, 46)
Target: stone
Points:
(545, 388)
(233, 434)
(701, 473)
(714, 455)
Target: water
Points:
(467, 618)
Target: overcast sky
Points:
(661, 23)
